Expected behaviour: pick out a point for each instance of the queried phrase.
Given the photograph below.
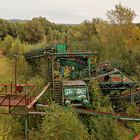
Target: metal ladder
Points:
(57, 90)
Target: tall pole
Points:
(15, 71)
(26, 127)
(131, 98)
(52, 68)
(89, 68)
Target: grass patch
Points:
(6, 70)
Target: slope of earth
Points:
(6, 70)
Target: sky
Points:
(63, 11)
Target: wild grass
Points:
(6, 70)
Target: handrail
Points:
(37, 97)
(2, 84)
(12, 88)
(117, 116)
(23, 98)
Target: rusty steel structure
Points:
(82, 66)
(21, 99)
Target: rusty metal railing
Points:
(13, 96)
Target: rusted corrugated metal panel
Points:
(74, 83)
(118, 78)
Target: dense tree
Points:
(7, 28)
(121, 15)
(6, 44)
(34, 31)
(84, 36)
(121, 19)
(30, 31)
(16, 48)
(44, 23)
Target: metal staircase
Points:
(57, 91)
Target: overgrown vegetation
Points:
(10, 128)
(69, 126)
(117, 38)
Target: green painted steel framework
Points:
(84, 69)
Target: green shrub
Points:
(60, 124)
(10, 128)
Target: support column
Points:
(52, 68)
(131, 95)
(15, 71)
(26, 128)
(62, 71)
(89, 68)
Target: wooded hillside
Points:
(117, 38)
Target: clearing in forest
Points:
(6, 70)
